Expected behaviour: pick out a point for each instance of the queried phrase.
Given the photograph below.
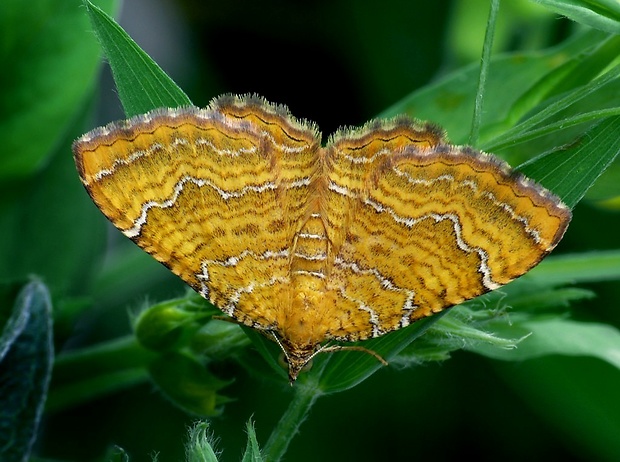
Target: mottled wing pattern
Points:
(217, 196)
(423, 226)
(385, 225)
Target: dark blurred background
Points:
(334, 62)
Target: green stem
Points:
(484, 70)
(291, 420)
(92, 372)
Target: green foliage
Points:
(26, 356)
(141, 83)
(252, 450)
(44, 46)
(554, 112)
(201, 445)
(599, 14)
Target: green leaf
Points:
(142, 85)
(462, 327)
(45, 44)
(342, 370)
(580, 91)
(559, 336)
(164, 326)
(12, 319)
(530, 76)
(268, 350)
(530, 298)
(252, 451)
(570, 173)
(219, 339)
(495, 323)
(576, 268)
(541, 298)
(25, 369)
(188, 384)
(52, 202)
(600, 14)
